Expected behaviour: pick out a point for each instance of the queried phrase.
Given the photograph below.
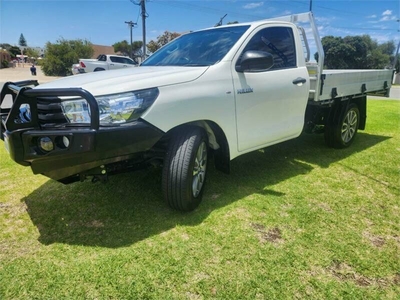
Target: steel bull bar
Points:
(89, 149)
(12, 127)
(22, 93)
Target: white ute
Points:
(104, 62)
(227, 90)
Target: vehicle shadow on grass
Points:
(130, 207)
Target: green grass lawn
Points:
(296, 220)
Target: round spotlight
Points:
(62, 142)
(65, 141)
(46, 144)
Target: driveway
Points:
(22, 72)
(394, 93)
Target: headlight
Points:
(76, 111)
(113, 109)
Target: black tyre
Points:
(185, 167)
(344, 132)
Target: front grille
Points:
(50, 112)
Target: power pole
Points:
(131, 24)
(144, 16)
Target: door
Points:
(118, 62)
(270, 104)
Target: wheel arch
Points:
(335, 119)
(217, 142)
(341, 105)
(361, 103)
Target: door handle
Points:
(299, 80)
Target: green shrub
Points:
(4, 64)
(61, 56)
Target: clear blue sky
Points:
(103, 22)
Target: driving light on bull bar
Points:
(62, 142)
(46, 144)
(65, 141)
(113, 109)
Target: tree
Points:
(22, 41)
(59, 57)
(30, 52)
(162, 40)
(14, 51)
(5, 46)
(137, 49)
(356, 52)
(387, 48)
(125, 48)
(122, 47)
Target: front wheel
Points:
(185, 168)
(344, 132)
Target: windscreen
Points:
(201, 48)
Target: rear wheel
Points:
(344, 132)
(185, 168)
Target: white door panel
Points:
(275, 109)
(270, 103)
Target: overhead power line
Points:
(313, 5)
(364, 28)
(205, 9)
(304, 4)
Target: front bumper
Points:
(90, 145)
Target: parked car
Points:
(105, 62)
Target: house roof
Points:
(101, 49)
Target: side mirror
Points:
(255, 61)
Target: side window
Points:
(130, 61)
(102, 58)
(114, 59)
(279, 42)
(120, 60)
(125, 61)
